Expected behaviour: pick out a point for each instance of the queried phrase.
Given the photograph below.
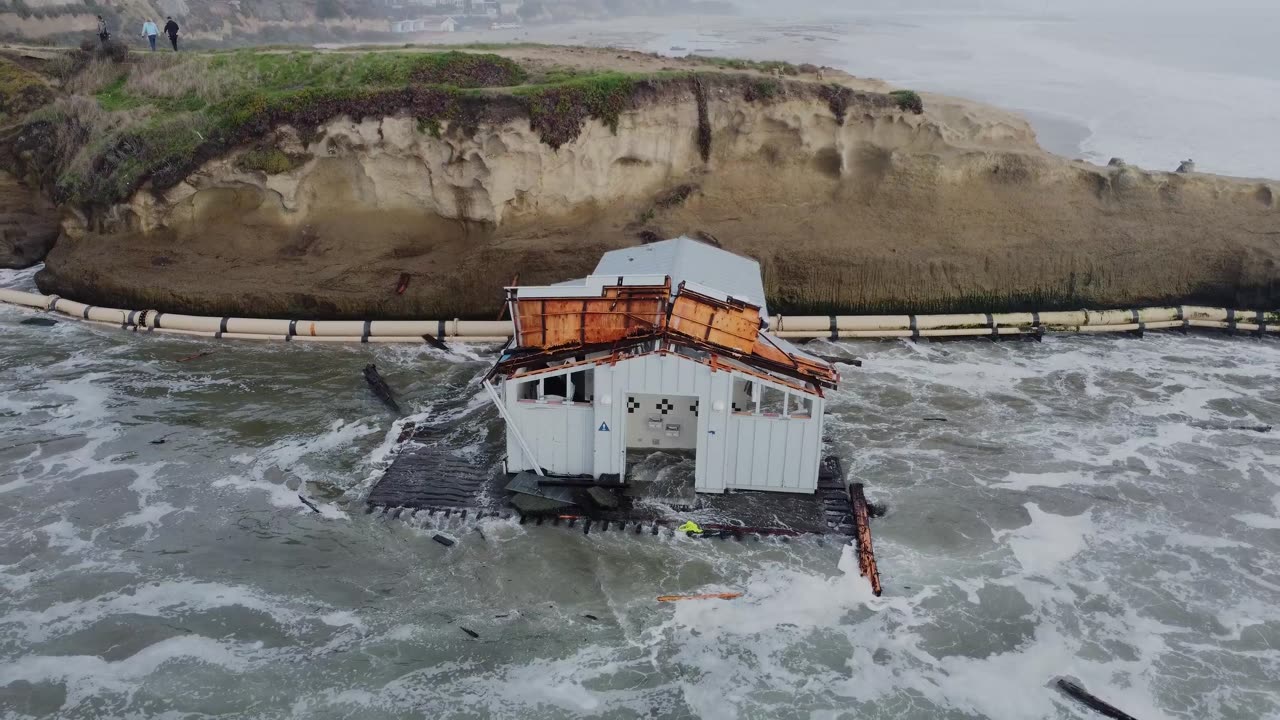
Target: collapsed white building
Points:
(664, 346)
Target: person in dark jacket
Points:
(171, 29)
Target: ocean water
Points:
(1103, 508)
(1152, 82)
(1106, 508)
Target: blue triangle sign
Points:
(604, 427)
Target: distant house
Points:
(425, 24)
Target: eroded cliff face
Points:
(955, 209)
(503, 173)
(28, 224)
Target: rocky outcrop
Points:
(28, 225)
(864, 208)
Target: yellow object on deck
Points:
(690, 527)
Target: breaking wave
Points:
(1096, 507)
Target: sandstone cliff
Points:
(852, 205)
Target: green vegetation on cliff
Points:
(20, 91)
(557, 111)
(157, 118)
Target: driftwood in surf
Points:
(435, 342)
(380, 387)
(862, 537)
(1075, 691)
(702, 596)
(197, 356)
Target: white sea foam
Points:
(86, 677)
(24, 280)
(1049, 540)
(167, 599)
(288, 456)
(1055, 524)
(1263, 521)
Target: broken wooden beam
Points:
(1077, 692)
(380, 387)
(862, 537)
(197, 356)
(701, 596)
(435, 342)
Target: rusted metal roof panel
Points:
(614, 314)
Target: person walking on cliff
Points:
(171, 29)
(149, 31)
(103, 35)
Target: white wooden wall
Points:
(734, 451)
(558, 434)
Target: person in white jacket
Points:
(150, 31)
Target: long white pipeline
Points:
(793, 327)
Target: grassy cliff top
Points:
(21, 90)
(123, 119)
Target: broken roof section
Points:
(678, 291)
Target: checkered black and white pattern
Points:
(694, 408)
(632, 405)
(665, 406)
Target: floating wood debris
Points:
(197, 356)
(435, 342)
(445, 541)
(469, 631)
(1075, 691)
(309, 504)
(380, 387)
(862, 537)
(702, 596)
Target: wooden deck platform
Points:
(430, 475)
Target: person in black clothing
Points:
(171, 29)
(103, 35)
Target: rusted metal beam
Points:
(862, 537)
